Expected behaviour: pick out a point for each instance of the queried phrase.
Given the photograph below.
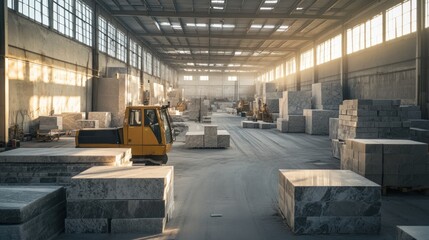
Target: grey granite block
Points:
(266, 125)
(249, 124)
(223, 139)
(46, 225)
(333, 128)
(296, 123)
(70, 120)
(282, 125)
(88, 124)
(294, 102)
(338, 225)
(419, 123)
(194, 139)
(317, 121)
(51, 121)
(412, 232)
(327, 96)
(122, 183)
(87, 225)
(336, 146)
(138, 225)
(210, 136)
(269, 87)
(273, 105)
(104, 118)
(19, 204)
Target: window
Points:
(139, 57)
(63, 17)
(83, 23)
(307, 59)
(356, 38)
(401, 19)
(290, 66)
(133, 54)
(271, 75)
(204, 78)
(121, 47)
(102, 34)
(329, 50)
(365, 35)
(232, 78)
(187, 78)
(11, 4)
(34, 9)
(280, 71)
(135, 117)
(111, 37)
(427, 13)
(148, 63)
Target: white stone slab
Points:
(70, 120)
(210, 136)
(104, 118)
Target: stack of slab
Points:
(88, 124)
(50, 122)
(31, 212)
(388, 162)
(292, 107)
(211, 137)
(419, 130)
(196, 108)
(70, 120)
(412, 232)
(326, 98)
(120, 200)
(104, 118)
(329, 202)
(50, 166)
(271, 98)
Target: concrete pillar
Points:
(421, 60)
(92, 87)
(4, 80)
(344, 68)
(298, 70)
(315, 72)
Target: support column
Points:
(344, 66)
(95, 60)
(298, 70)
(4, 80)
(315, 72)
(421, 60)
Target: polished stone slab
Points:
(291, 124)
(132, 183)
(412, 232)
(223, 139)
(104, 118)
(327, 95)
(317, 121)
(194, 139)
(273, 105)
(210, 136)
(138, 225)
(19, 204)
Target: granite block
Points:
(73, 226)
(267, 125)
(104, 118)
(70, 120)
(210, 136)
(194, 139)
(338, 225)
(19, 204)
(317, 121)
(273, 105)
(294, 102)
(88, 124)
(419, 123)
(138, 225)
(412, 232)
(282, 125)
(249, 124)
(130, 183)
(333, 128)
(51, 121)
(269, 87)
(327, 96)
(336, 146)
(223, 139)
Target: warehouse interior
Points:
(302, 119)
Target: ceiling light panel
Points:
(271, 2)
(266, 8)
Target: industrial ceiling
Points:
(247, 35)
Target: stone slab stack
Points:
(211, 137)
(408, 112)
(32, 212)
(329, 202)
(412, 232)
(292, 105)
(104, 118)
(336, 144)
(50, 166)
(50, 122)
(88, 124)
(120, 200)
(70, 120)
(388, 162)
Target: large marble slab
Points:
(210, 136)
(412, 232)
(31, 212)
(104, 118)
(329, 202)
(194, 139)
(70, 120)
(317, 121)
(294, 103)
(327, 95)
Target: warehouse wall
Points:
(45, 76)
(218, 86)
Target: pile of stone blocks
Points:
(104, 118)
(317, 121)
(327, 95)
(271, 97)
(292, 105)
(329, 202)
(32, 212)
(412, 232)
(88, 124)
(211, 137)
(70, 120)
(50, 122)
(196, 108)
(50, 166)
(388, 162)
(120, 200)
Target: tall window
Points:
(121, 49)
(102, 34)
(401, 19)
(139, 57)
(34, 9)
(187, 78)
(83, 23)
(204, 78)
(427, 13)
(280, 71)
(290, 66)
(307, 59)
(148, 63)
(111, 40)
(365, 35)
(329, 50)
(133, 53)
(63, 16)
(232, 78)
(11, 4)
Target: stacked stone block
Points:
(291, 124)
(292, 106)
(50, 122)
(88, 124)
(209, 138)
(196, 109)
(329, 202)
(31, 212)
(388, 162)
(104, 118)
(70, 120)
(120, 200)
(327, 96)
(271, 97)
(50, 166)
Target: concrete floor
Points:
(240, 184)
